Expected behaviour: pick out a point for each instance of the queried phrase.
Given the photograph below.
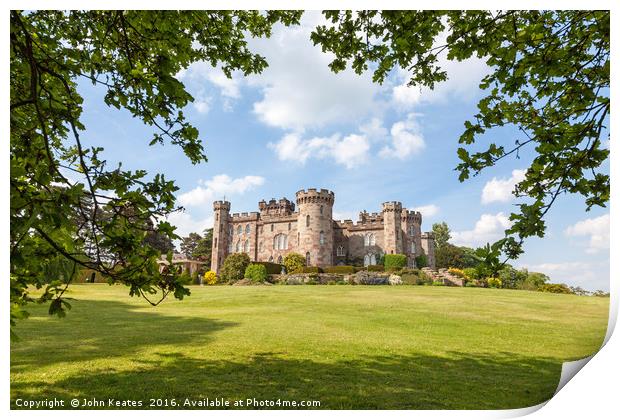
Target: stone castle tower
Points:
(315, 226)
(306, 227)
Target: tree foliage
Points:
(198, 247)
(441, 232)
(67, 205)
(234, 267)
(293, 262)
(548, 77)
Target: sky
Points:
(297, 125)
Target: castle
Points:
(278, 229)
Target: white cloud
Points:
(489, 228)
(202, 104)
(500, 190)
(374, 130)
(406, 139)
(344, 215)
(462, 84)
(229, 89)
(299, 90)
(350, 151)
(590, 275)
(185, 224)
(428, 210)
(217, 187)
(596, 228)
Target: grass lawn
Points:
(357, 347)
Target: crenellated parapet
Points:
(314, 196)
(245, 217)
(273, 207)
(393, 206)
(221, 205)
(411, 216)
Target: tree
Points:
(441, 231)
(449, 256)
(293, 262)
(160, 242)
(134, 57)
(189, 244)
(548, 77)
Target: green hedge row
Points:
(394, 261)
(272, 268)
(308, 270)
(375, 268)
(340, 269)
(256, 272)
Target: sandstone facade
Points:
(307, 228)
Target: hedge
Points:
(308, 270)
(256, 272)
(340, 269)
(234, 267)
(375, 268)
(272, 268)
(394, 261)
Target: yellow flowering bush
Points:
(494, 282)
(210, 277)
(457, 272)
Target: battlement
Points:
(312, 195)
(411, 216)
(221, 205)
(395, 206)
(246, 216)
(281, 207)
(427, 235)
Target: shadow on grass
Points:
(456, 381)
(97, 329)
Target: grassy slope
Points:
(349, 347)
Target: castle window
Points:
(298, 239)
(321, 209)
(411, 230)
(280, 241)
(307, 259)
(340, 251)
(239, 230)
(271, 258)
(246, 247)
(247, 228)
(215, 243)
(413, 247)
(307, 220)
(370, 259)
(280, 259)
(260, 247)
(230, 230)
(272, 227)
(289, 226)
(369, 239)
(216, 216)
(322, 238)
(238, 246)
(230, 247)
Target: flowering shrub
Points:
(210, 277)
(457, 272)
(494, 282)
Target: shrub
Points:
(315, 270)
(210, 277)
(457, 272)
(339, 269)
(421, 261)
(438, 283)
(375, 268)
(234, 267)
(394, 261)
(256, 273)
(272, 268)
(471, 273)
(294, 261)
(555, 288)
(184, 278)
(494, 282)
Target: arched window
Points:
(280, 259)
(272, 227)
(216, 216)
(289, 226)
(322, 238)
(369, 239)
(372, 239)
(230, 247)
(411, 230)
(370, 259)
(239, 230)
(247, 228)
(366, 260)
(246, 247)
(280, 241)
(413, 247)
(307, 259)
(238, 246)
(230, 230)
(307, 220)
(321, 209)
(260, 247)
(340, 251)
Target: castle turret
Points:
(315, 226)
(410, 225)
(392, 232)
(221, 233)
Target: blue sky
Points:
(297, 125)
